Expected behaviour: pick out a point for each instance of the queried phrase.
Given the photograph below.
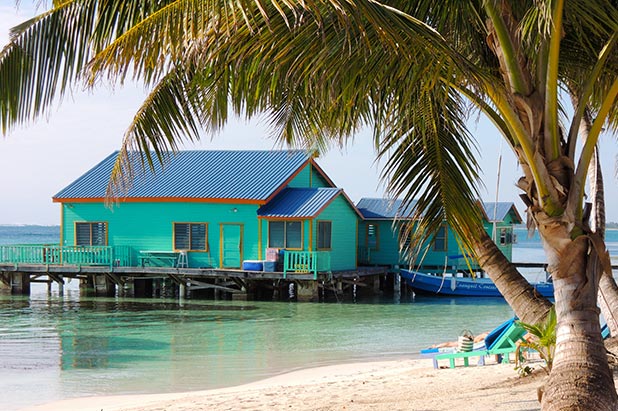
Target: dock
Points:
(182, 282)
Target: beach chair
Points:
(489, 339)
(500, 342)
(506, 343)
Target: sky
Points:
(40, 159)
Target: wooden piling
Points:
(20, 283)
(308, 291)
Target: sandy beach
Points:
(376, 386)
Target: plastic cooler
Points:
(252, 265)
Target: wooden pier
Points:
(103, 280)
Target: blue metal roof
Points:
(382, 208)
(501, 210)
(198, 174)
(299, 202)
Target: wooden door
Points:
(231, 245)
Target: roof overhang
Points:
(160, 200)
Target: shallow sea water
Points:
(54, 347)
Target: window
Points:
(88, 234)
(506, 236)
(440, 239)
(324, 235)
(372, 236)
(190, 236)
(285, 234)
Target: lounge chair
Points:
(489, 339)
(500, 342)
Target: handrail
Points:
(305, 262)
(65, 255)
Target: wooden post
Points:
(103, 286)
(308, 291)
(376, 285)
(86, 286)
(396, 281)
(20, 283)
(127, 289)
(276, 291)
(217, 292)
(5, 281)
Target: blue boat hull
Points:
(461, 287)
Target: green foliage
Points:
(322, 70)
(542, 340)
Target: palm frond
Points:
(430, 158)
(165, 120)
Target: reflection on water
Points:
(76, 346)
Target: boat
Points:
(452, 286)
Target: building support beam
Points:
(307, 291)
(103, 286)
(20, 283)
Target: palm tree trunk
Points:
(608, 302)
(528, 305)
(580, 378)
(608, 290)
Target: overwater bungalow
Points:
(207, 210)
(380, 234)
(229, 221)
(220, 208)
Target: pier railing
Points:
(306, 262)
(65, 255)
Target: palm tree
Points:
(608, 290)
(411, 70)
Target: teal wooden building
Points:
(216, 209)
(379, 235)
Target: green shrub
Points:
(542, 339)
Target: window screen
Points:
(87, 234)
(439, 241)
(293, 234)
(190, 236)
(324, 234)
(285, 234)
(372, 236)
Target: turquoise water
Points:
(76, 346)
(54, 347)
(29, 234)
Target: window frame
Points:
(376, 235)
(285, 236)
(506, 236)
(190, 223)
(444, 237)
(90, 224)
(330, 237)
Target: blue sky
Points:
(38, 160)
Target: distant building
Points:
(379, 235)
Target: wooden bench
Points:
(149, 258)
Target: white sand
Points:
(373, 386)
